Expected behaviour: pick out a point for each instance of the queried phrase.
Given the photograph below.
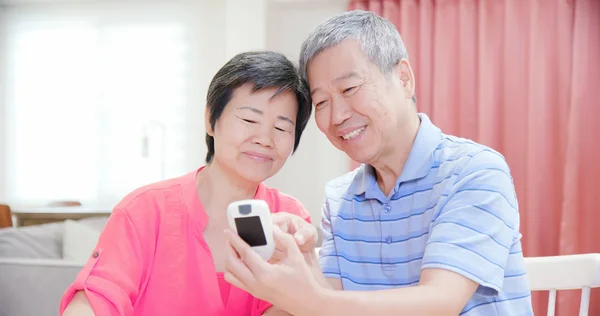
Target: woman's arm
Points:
(274, 311)
(79, 306)
(109, 282)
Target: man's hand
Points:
(289, 284)
(304, 233)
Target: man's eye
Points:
(349, 89)
(280, 129)
(249, 121)
(320, 103)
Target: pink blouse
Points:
(152, 259)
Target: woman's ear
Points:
(207, 125)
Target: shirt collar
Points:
(417, 166)
(194, 205)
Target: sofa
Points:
(38, 263)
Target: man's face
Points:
(358, 108)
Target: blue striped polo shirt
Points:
(453, 207)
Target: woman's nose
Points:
(264, 137)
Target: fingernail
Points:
(300, 238)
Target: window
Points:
(98, 100)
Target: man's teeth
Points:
(353, 134)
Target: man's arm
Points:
(328, 283)
(466, 252)
(439, 293)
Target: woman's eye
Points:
(249, 121)
(280, 129)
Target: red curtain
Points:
(521, 76)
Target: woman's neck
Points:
(217, 188)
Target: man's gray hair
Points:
(378, 38)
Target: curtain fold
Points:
(524, 78)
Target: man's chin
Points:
(361, 157)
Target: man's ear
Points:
(407, 77)
(207, 125)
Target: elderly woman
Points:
(162, 251)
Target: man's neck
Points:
(217, 188)
(389, 166)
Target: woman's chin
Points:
(254, 176)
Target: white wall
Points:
(282, 25)
(233, 26)
(245, 26)
(212, 55)
(2, 108)
(316, 161)
(203, 54)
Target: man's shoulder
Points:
(339, 187)
(476, 168)
(466, 154)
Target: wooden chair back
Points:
(5, 216)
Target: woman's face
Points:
(255, 134)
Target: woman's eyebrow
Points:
(255, 110)
(287, 119)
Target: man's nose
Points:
(340, 111)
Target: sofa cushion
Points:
(80, 239)
(34, 286)
(95, 223)
(40, 241)
(47, 240)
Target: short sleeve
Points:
(328, 258)
(112, 276)
(477, 224)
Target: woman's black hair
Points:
(263, 70)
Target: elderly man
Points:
(428, 225)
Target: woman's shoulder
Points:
(154, 197)
(282, 202)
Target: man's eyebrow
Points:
(351, 74)
(255, 110)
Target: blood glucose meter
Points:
(251, 220)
